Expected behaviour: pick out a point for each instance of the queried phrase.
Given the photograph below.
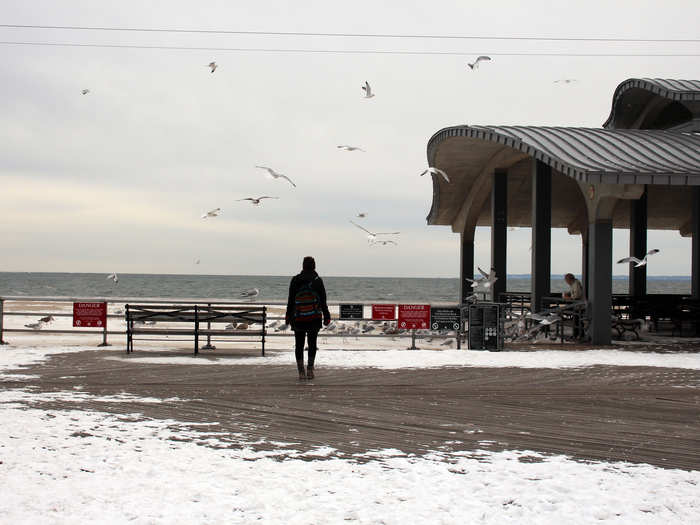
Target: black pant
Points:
(309, 332)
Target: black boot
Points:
(302, 373)
(309, 372)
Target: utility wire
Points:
(353, 35)
(344, 51)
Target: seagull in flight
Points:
(475, 64)
(85, 91)
(372, 236)
(362, 215)
(212, 213)
(256, 202)
(485, 281)
(196, 261)
(273, 174)
(383, 242)
(212, 66)
(637, 262)
(565, 81)
(114, 277)
(368, 90)
(436, 171)
(350, 148)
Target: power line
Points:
(344, 51)
(353, 35)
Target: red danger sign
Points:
(383, 312)
(414, 316)
(89, 314)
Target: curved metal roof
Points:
(670, 89)
(596, 155)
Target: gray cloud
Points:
(118, 178)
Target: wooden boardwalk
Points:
(637, 414)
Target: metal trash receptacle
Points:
(486, 326)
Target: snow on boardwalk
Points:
(398, 359)
(85, 438)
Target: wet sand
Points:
(636, 414)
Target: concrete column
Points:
(695, 256)
(466, 266)
(541, 233)
(600, 281)
(638, 245)
(499, 227)
(584, 262)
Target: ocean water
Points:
(275, 288)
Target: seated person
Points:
(575, 292)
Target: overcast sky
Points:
(116, 180)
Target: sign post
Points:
(91, 315)
(383, 312)
(413, 317)
(447, 318)
(352, 311)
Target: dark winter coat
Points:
(317, 285)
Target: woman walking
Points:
(306, 308)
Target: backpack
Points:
(307, 303)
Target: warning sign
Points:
(383, 312)
(444, 318)
(89, 314)
(351, 311)
(414, 316)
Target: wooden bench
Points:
(137, 315)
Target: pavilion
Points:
(632, 173)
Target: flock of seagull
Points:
(480, 284)
(372, 237)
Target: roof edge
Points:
(654, 86)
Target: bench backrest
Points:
(193, 313)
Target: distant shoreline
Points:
(553, 276)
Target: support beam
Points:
(638, 245)
(499, 227)
(600, 282)
(466, 266)
(695, 256)
(584, 262)
(541, 233)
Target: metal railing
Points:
(105, 331)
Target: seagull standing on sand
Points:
(85, 91)
(273, 174)
(436, 171)
(475, 64)
(256, 201)
(372, 236)
(368, 90)
(350, 148)
(212, 213)
(114, 277)
(637, 262)
(212, 66)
